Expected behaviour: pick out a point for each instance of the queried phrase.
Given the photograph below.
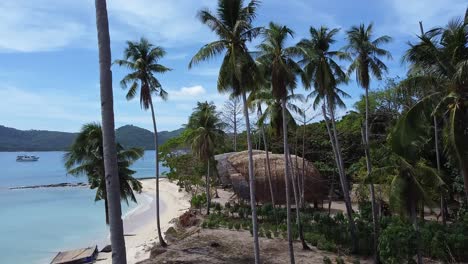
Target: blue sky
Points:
(49, 62)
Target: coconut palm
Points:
(142, 58)
(86, 157)
(283, 71)
(238, 73)
(367, 53)
(108, 136)
(255, 101)
(443, 54)
(206, 132)
(412, 179)
(322, 71)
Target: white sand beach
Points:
(140, 223)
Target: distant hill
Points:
(133, 136)
(12, 139)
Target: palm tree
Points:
(238, 73)
(108, 136)
(412, 180)
(443, 54)
(323, 72)
(206, 131)
(255, 101)
(367, 53)
(283, 70)
(141, 58)
(86, 157)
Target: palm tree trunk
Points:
(414, 220)
(330, 193)
(303, 166)
(251, 181)
(156, 150)
(442, 200)
(344, 183)
(296, 201)
(375, 217)
(267, 155)
(208, 198)
(287, 180)
(117, 239)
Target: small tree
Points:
(232, 117)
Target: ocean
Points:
(37, 223)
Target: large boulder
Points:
(233, 169)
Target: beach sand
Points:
(140, 224)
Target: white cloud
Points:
(407, 14)
(169, 23)
(187, 92)
(27, 28)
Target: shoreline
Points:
(140, 223)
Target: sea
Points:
(35, 224)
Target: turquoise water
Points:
(37, 223)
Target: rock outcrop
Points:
(233, 169)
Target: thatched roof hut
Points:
(233, 169)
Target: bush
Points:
(268, 234)
(237, 226)
(397, 243)
(313, 238)
(324, 244)
(339, 260)
(327, 260)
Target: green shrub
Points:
(324, 244)
(339, 260)
(327, 260)
(397, 243)
(313, 238)
(237, 226)
(268, 234)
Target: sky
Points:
(49, 75)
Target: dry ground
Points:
(206, 246)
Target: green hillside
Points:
(12, 139)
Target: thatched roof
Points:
(233, 167)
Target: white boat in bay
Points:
(26, 158)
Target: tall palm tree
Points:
(367, 53)
(283, 70)
(255, 101)
(238, 73)
(141, 58)
(412, 180)
(206, 131)
(108, 135)
(443, 54)
(86, 157)
(322, 71)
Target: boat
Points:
(77, 256)
(27, 158)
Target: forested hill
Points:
(12, 139)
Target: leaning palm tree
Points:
(86, 157)
(238, 73)
(108, 136)
(206, 132)
(322, 71)
(367, 53)
(141, 58)
(283, 72)
(443, 54)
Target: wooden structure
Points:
(77, 256)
